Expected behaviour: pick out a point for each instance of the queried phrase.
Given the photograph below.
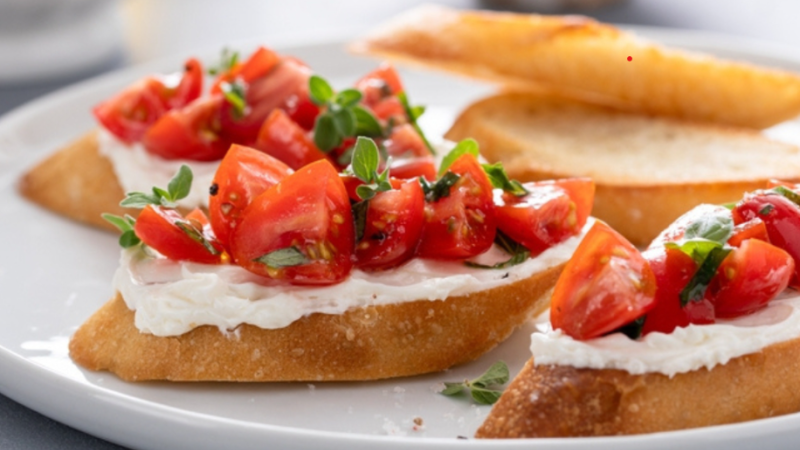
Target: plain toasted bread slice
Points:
(562, 401)
(366, 343)
(648, 171)
(580, 57)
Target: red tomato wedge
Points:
(392, 228)
(605, 285)
(242, 175)
(286, 84)
(552, 212)
(752, 229)
(673, 269)
(405, 142)
(781, 217)
(191, 133)
(462, 224)
(299, 231)
(283, 139)
(749, 277)
(408, 168)
(179, 238)
(380, 84)
(259, 64)
(130, 113)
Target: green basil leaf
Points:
(441, 188)
(516, 258)
(345, 121)
(452, 388)
(698, 249)
(326, 137)
(365, 192)
(181, 184)
(366, 123)
(197, 236)
(485, 396)
(348, 98)
(360, 218)
(319, 90)
(466, 146)
(499, 179)
(716, 227)
(285, 257)
(366, 159)
(696, 288)
(129, 239)
(120, 222)
(497, 374)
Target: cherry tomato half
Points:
(306, 215)
(191, 133)
(462, 224)
(287, 141)
(392, 227)
(552, 212)
(242, 175)
(605, 285)
(749, 277)
(178, 238)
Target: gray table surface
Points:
(157, 28)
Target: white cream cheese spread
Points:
(138, 170)
(170, 298)
(683, 350)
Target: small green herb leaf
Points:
(716, 227)
(366, 159)
(326, 136)
(197, 236)
(632, 329)
(360, 218)
(345, 121)
(180, 185)
(696, 288)
(499, 178)
(766, 210)
(348, 98)
(285, 257)
(234, 93)
(519, 253)
(788, 193)
(366, 123)
(480, 388)
(468, 145)
(228, 59)
(439, 189)
(122, 223)
(139, 200)
(365, 192)
(319, 90)
(129, 239)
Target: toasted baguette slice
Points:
(77, 182)
(648, 171)
(580, 57)
(361, 344)
(561, 401)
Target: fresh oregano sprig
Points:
(342, 117)
(125, 224)
(365, 163)
(228, 60)
(481, 388)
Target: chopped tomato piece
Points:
(299, 231)
(552, 212)
(390, 108)
(605, 285)
(242, 175)
(408, 168)
(752, 229)
(379, 84)
(392, 227)
(191, 133)
(405, 142)
(749, 277)
(677, 229)
(179, 238)
(259, 64)
(287, 141)
(461, 224)
(673, 269)
(130, 113)
(781, 217)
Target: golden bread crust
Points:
(580, 57)
(562, 401)
(361, 344)
(77, 182)
(647, 171)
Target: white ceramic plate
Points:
(55, 273)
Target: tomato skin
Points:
(308, 210)
(242, 175)
(752, 229)
(605, 285)
(552, 212)
(675, 231)
(283, 139)
(191, 133)
(156, 227)
(392, 228)
(414, 168)
(749, 277)
(461, 225)
(129, 114)
(780, 216)
(405, 142)
(673, 269)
